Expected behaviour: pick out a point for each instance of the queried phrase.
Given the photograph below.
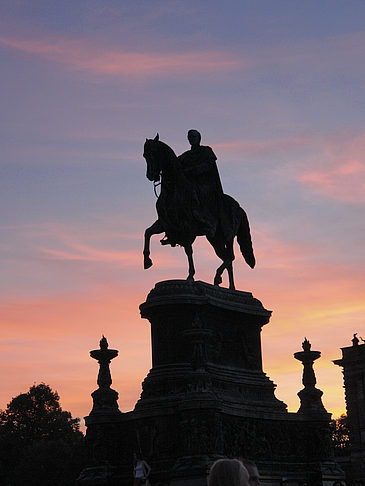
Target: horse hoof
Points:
(190, 279)
(147, 263)
(217, 280)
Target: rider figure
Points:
(200, 168)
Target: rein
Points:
(155, 185)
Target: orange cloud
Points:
(341, 175)
(103, 60)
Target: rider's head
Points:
(194, 138)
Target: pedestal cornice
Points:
(200, 293)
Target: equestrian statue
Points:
(192, 203)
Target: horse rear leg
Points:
(225, 252)
(155, 229)
(230, 265)
(220, 250)
(221, 253)
(230, 277)
(189, 252)
(226, 265)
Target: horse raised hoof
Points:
(217, 280)
(147, 263)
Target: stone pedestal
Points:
(206, 346)
(207, 396)
(103, 425)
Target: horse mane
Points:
(169, 151)
(170, 156)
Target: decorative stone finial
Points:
(104, 398)
(306, 345)
(355, 340)
(310, 396)
(103, 343)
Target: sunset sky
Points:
(277, 90)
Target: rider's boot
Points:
(165, 241)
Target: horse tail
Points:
(244, 239)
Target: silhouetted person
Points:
(253, 472)
(200, 168)
(141, 471)
(228, 472)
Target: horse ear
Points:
(157, 138)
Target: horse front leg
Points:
(189, 252)
(155, 229)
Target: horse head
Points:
(151, 153)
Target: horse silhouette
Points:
(176, 210)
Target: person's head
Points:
(194, 138)
(228, 472)
(254, 477)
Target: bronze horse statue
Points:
(176, 206)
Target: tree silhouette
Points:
(340, 435)
(40, 444)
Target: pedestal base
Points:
(207, 396)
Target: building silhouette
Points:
(353, 364)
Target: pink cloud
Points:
(103, 60)
(87, 55)
(275, 253)
(93, 243)
(86, 253)
(341, 175)
(264, 146)
(335, 53)
(298, 278)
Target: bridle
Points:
(155, 186)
